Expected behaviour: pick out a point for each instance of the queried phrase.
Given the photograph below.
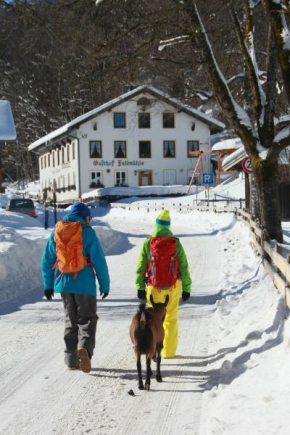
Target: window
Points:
(48, 160)
(169, 177)
(44, 158)
(73, 151)
(67, 152)
(62, 155)
(192, 145)
(144, 149)
(74, 178)
(95, 149)
(53, 159)
(168, 120)
(119, 120)
(68, 179)
(58, 157)
(41, 162)
(120, 149)
(144, 120)
(121, 178)
(169, 148)
(95, 178)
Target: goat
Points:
(147, 335)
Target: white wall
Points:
(65, 173)
(132, 134)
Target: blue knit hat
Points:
(163, 219)
(80, 209)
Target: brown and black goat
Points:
(147, 335)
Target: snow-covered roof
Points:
(228, 144)
(116, 101)
(234, 158)
(7, 127)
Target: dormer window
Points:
(119, 120)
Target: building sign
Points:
(118, 163)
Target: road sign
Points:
(208, 178)
(247, 165)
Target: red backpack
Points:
(163, 267)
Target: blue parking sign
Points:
(208, 178)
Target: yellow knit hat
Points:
(163, 218)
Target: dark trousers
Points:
(80, 325)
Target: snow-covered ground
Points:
(231, 373)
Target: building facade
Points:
(140, 138)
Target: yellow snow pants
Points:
(171, 319)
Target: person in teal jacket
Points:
(145, 289)
(78, 292)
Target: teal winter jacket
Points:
(85, 282)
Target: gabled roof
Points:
(62, 131)
(7, 128)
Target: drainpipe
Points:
(79, 165)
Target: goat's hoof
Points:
(158, 378)
(147, 386)
(141, 387)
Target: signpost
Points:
(208, 179)
(247, 165)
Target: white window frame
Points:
(165, 171)
(126, 177)
(94, 179)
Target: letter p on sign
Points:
(208, 178)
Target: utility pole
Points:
(54, 201)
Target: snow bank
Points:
(139, 191)
(18, 220)
(247, 390)
(19, 264)
(196, 221)
(108, 237)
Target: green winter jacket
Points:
(144, 260)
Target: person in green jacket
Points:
(145, 287)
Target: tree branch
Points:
(276, 12)
(248, 52)
(236, 115)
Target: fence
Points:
(276, 264)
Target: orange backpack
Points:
(69, 247)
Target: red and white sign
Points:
(247, 165)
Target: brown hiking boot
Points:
(84, 360)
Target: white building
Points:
(141, 138)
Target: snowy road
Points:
(39, 396)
